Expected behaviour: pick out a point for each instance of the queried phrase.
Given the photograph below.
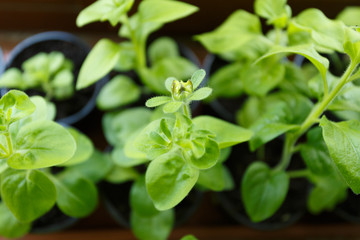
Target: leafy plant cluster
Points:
(152, 65)
(313, 109)
(31, 143)
(51, 73)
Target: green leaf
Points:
(197, 78)
(41, 144)
(177, 67)
(189, 237)
(15, 105)
(120, 91)
(119, 126)
(172, 107)
(120, 158)
(295, 80)
(169, 179)
(164, 11)
(226, 82)
(343, 142)
(100, 61)
(13, 78)
(263, 191)
(200, 94)
(10, 227)
(76, 195)
(162, 48)
(276, 12)
(168, 83)
(352, 44)
(216, 178)
(350, 15)
(157, 227)
(119, 175)
(326, 34)
(327, 193)
(157, 101)
(208, 158)
(84, 148)
(261, 78)
(95, 168)
(227, 134)
(104, 10)
(127, 57)
(140, 200)
(28, 194)
(239, 28)
(308, 51)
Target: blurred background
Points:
(21, 18)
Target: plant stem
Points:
(319, 108)
(187, 110)
(298, 173)
(9, 142)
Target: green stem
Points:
(298, 173)
(9, 142)
(313, 117)
(4, 149)
(278, 36)
(187, 110)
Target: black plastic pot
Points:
(294, 205)
(82, 103)
(116, 201)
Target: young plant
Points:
(330, 152)
(152, 66)
(30, 143)
(50, 73)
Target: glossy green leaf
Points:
(259, 79)
(157, 101)
(10, 227)
(263, 191)
(157, 227)
(14, 106)
(76, 195)
(41, 144)
(84, 148)
(120, 91)
(119, 126)
(200, 94)
(343, 142)
(100, 61)
(270, 125)
(162, 48)
(169, 179)
(140, 200)
(227, 134)
(325, 33)
(95, 168)
(239, 28)
(28, 194)
(308, 51)
(275, 11)
(164, 11)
